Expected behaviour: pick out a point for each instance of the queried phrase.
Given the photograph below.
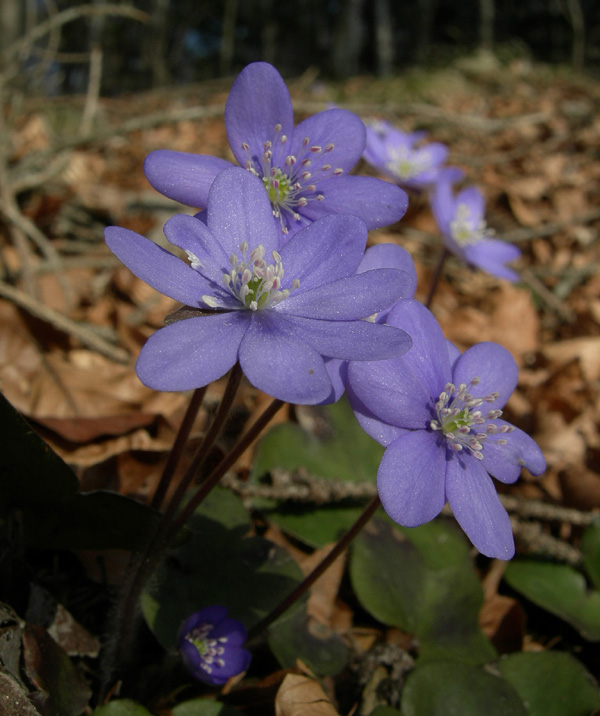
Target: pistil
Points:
(461, 421)
(289, 180)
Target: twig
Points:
(11, 211)
(64, 17)
(301, 486)
(531, 536)
(93, 91)
(87, 336)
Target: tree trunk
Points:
(384, 38)
(348, 40)
(228, 36)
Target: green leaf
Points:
(204, 707)
(42, 488)
(401, 586)
(346, 454)
(290, 638)
(455, 689)
(218, 565)
(122, 707)
(590, 549)
(551, 684)
(31, 471)
(91, 520)
(560, 590)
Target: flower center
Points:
(210, 650)
(461, 421)
(255, 283)
(290, 180)
(406, 163)
(464, 230)
(278, 186)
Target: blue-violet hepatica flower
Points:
(395, 155)
(461, 220)
(280, 310)
(304, 170)
(439, 415)
(211, 645)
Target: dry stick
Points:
(11, 210)
(176, 451)
(238, 449)
(309, 580)
(63, 323)
(6, 197)
(300, 486)
(93, 91)
(64, 17)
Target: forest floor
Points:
(72, 319)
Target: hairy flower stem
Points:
(178, 446)
(309, 580)
(142, 564)
(436, 276)
(242, 444)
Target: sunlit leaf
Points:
(445, 688)
(396, 583)
(551, 683)
(560, 590)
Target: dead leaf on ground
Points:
(301, 696)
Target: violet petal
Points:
(192, 353)
(410, 480)
(477, 508)
(183, 176)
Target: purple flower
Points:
(281, 327)
(390, 256)
(465, 233)
(439, 415)
(394, 154)
(211, 645)
(304, 170)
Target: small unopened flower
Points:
(304, 170)
(439, 414)
(211, 645)
(281, 311)
(461, 220)
(396, 154)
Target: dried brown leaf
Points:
(301, 696)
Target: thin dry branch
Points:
(63, 323)
(62, 18)
(300, 486)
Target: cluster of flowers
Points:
(278, 279)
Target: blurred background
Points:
(181, 41)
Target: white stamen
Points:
(458, 420)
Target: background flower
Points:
(394, 153)
(211, 645)
(461, 220)
(278, 310)
(304, 170)
(439, 414)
